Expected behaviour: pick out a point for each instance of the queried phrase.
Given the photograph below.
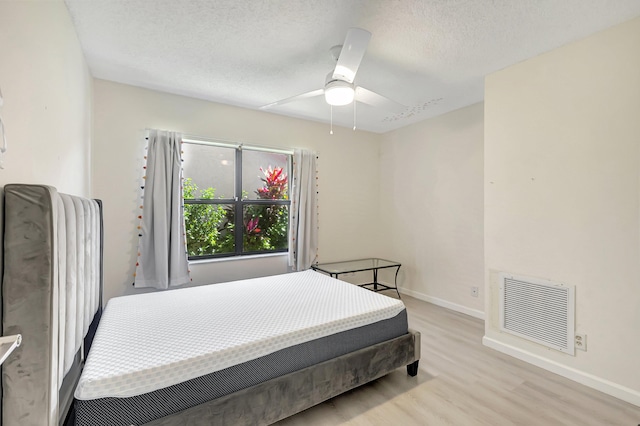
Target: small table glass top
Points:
(355, 265)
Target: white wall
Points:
(562, 197)
(431, 201)
(348, 175)
(47, 97)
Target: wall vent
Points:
(538, 310)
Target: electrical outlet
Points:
(581, 341)
(474, 291)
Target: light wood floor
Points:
(463, 383)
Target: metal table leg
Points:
(375, 279)
(396, 282)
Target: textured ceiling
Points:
(431, 56)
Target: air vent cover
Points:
(538, 310)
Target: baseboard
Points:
(445, 304)
(618, 391)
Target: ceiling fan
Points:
(339, 88)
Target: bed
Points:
(51, 295)
(201, 355)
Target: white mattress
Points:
(150, 341)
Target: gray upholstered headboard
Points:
(51, 295)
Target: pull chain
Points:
(331, 131)
(354, 115)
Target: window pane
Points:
(265, 227)
(208, 171)
(209, 229)
(265, 175)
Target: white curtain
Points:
(162, 260)
(303, 224)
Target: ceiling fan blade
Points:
(294, 98)
(355, 44)
(372, 98)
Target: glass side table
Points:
(336, 269)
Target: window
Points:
(229, 188)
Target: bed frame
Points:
(51, 295)
(38, 239)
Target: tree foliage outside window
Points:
(210, 222)
(205, 223)
(266, 226)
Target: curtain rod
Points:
(231, 144)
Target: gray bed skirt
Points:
(284, 396)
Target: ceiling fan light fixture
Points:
(338, 93)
